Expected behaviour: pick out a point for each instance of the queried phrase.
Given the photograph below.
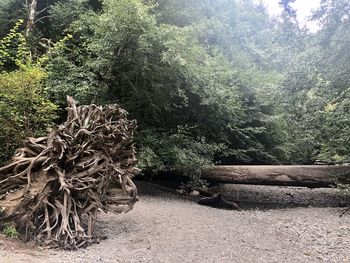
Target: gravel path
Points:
(164, 228)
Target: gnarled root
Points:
(84, 165)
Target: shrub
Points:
(178, 151)
(10, 231)
(24, 111)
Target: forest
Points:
(223, 129)
(209, 82)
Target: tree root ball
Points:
(55, 185)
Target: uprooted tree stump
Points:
(54, 186)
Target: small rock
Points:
(195, 193)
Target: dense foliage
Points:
(208, 81)
(24, 110)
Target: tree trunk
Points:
(311, 176)
(31, 17)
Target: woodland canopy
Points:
(207, 81)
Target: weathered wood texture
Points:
(55, 185)
(292, 175)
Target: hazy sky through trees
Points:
(303, 7)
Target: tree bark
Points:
(311, 176)
(31, 17)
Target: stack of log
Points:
(55, 185)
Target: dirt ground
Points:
(166, 228)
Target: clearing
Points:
(166, 228)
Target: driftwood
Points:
(55, 185)
(218, 201)
(289, 175)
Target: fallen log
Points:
(289, 175)
(260, 195)
(55, 185)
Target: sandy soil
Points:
(166, 228)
